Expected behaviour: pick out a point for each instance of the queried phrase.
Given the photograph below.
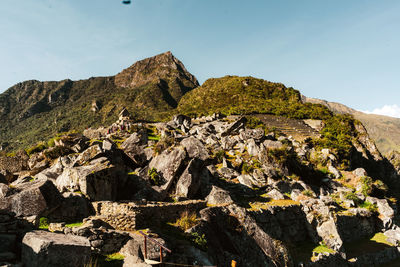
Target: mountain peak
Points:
(153, 69)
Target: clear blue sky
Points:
(338, 50)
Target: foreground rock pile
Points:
(213, 190)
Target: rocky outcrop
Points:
(47, 249)
(32, 198)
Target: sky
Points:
(338, 50)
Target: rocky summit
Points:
(242, 173)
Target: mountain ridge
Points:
(31, 111)
(385, 130)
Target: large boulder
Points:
(219, 196)
(168, 164)
(32, 198)
(98, 181)
(135, 247)
(89, 154)
(195, 148)
(135, 148)
(45, 249)
(190, 180)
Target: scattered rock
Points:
(45, 249)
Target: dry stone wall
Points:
(130, 216)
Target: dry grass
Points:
(186, 221)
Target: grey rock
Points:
(195, 148)
(89, 154)
(32, 198)
(45, 249)
(252, 148)
(168, 164)
(227, 173)
(5, 190)
(269, 144)
(234, 127)
(275, 194)
(190, 180)
(97, 181)
(219, 196)
(360, 172)
(135, 139)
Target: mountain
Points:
(32, 111)
(384, 130)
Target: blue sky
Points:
(338, 50)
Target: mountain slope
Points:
(31, 111)
(384, 130)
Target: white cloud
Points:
(387, 110)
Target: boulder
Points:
(190, 180)
(74, 207)
(227, 173)
(89, 154)
(182, 120)
(360, 172)
(135, 139)
(219, 196)
(234, 127)
(97, 181)
(256, 134)
(169, 163)
(329, 233)
(252, 148)
(275, 194)
(32, 198)
(269, 144)
(195, 148)
(135, 247)
(5, 190)
(45, 249)
(53, 172)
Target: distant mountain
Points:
(31, 111)
(384, 130)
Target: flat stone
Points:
(45, 249)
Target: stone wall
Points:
(130, 216)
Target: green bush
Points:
(43, 223)
(36, 149)
(199, 240)
(366, 187)
(154, 176)
(337, 135)
(369, 206)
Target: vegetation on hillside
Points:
(232, 95)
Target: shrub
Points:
(199, 240)
(353, 197)
(366, 187)
(186, 221)
(254, 123)
(219, 155)
(154, 176)
(36, 149)
(369, 206)
(337, 135)
(43, 223)
(248, 168)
